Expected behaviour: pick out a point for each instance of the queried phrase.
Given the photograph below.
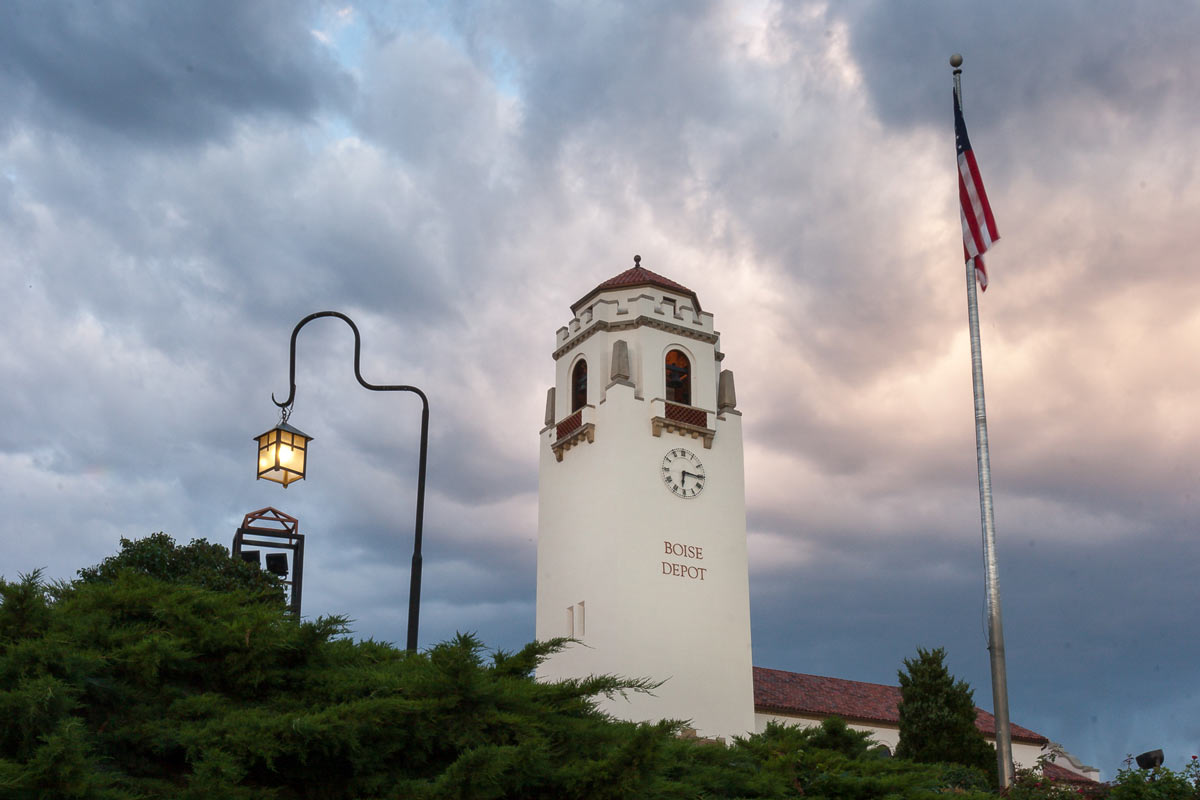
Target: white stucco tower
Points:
(642, 506)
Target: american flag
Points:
(978, 224)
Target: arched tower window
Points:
(579, 386)
(679, 378)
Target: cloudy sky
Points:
(181, 183)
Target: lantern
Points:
(282, 453)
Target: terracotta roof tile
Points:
(639, 275)
(1056, 773)
(796, 693)
(636, 275)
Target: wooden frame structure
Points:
(277, 531)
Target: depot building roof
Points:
(637, 275)
(799, 694)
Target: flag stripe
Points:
(984, 205)
(970, 245)
(969, 198)
(978, 224)
(973, 196)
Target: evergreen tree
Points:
(135, 687)
(142, 681)
(937, 716)
(201, 563)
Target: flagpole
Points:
(1004, 761)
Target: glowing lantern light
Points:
(282, 454)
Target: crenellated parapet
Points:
(643, 332)
(615, 311)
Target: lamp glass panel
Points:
(267, 449)
(282, 455)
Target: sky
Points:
(181, 183)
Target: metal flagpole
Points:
(1004, 759)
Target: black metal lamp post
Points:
(283, 456)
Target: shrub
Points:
(937, 716)
(201, 563)
(1159, 783)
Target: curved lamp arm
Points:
(291, 398)
(414, 592)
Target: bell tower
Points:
(642, 506)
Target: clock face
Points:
(682, 473)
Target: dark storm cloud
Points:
(584, 67)
(256, 226)
(428, 102)
(1069, 613)
(592, 120)
(710, 145)
(1033, 58)
(474, 470)
(424, 103)
(155, 72)
(484, 167)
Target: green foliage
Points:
(834, 734)
(1159, 783)
(1031, 784)
(129, 686)
(832, 761)
(937, 716)
(1131, 783)
(200, 563)
(142, 680)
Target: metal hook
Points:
(291, 398)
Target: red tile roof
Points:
(1056, 773)
(637, 275)
(796, 693)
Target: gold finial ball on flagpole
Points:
(956, 60)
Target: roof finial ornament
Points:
(637, 261)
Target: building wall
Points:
(605, 520)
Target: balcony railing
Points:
(684, 420)
(689, 414)
(572, 430)
(568, 425)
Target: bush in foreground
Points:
(141, 680)
(200, 563)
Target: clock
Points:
(682, 473)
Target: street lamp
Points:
(283, 451)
